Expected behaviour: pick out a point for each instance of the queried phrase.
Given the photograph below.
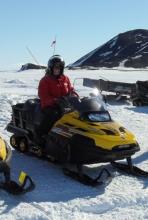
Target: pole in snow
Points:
(53, 44)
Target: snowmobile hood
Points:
(106, 135)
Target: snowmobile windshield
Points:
(85, 91)
(90, 99)
(90, 109)
(89, 104)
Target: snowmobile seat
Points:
(38, 115)
(29, 109)
(32, 114)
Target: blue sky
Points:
(79, 26)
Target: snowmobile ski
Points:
(130, 169)
(12, 187)
(26, 184)
(85, 179)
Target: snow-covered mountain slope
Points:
(57, 197)
(129, 48)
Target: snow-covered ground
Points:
(57, 197)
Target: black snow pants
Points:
(49, 116)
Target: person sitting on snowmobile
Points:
(52, 87)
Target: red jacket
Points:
(50, 89)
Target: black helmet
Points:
(55, 60)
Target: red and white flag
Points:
(53, 43)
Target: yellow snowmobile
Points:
(85, 134)
(8, 184)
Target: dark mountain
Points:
(129, 49)
(28, 66)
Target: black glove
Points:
(63, 104)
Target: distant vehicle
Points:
(136, 92)
(119, 88)
(140, 96)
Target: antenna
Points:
(33, 56)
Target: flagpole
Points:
(54, 46)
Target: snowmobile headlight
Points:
(99, 117)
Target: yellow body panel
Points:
(94, 131)
(3, 152)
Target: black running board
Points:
(130, 169)
(87, 180)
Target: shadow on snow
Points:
(142, 109)
(51, 184)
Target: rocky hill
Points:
(28, 66)
(129, 49)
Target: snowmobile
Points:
(26, 183)
(85, 134)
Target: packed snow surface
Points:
(57, 197)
